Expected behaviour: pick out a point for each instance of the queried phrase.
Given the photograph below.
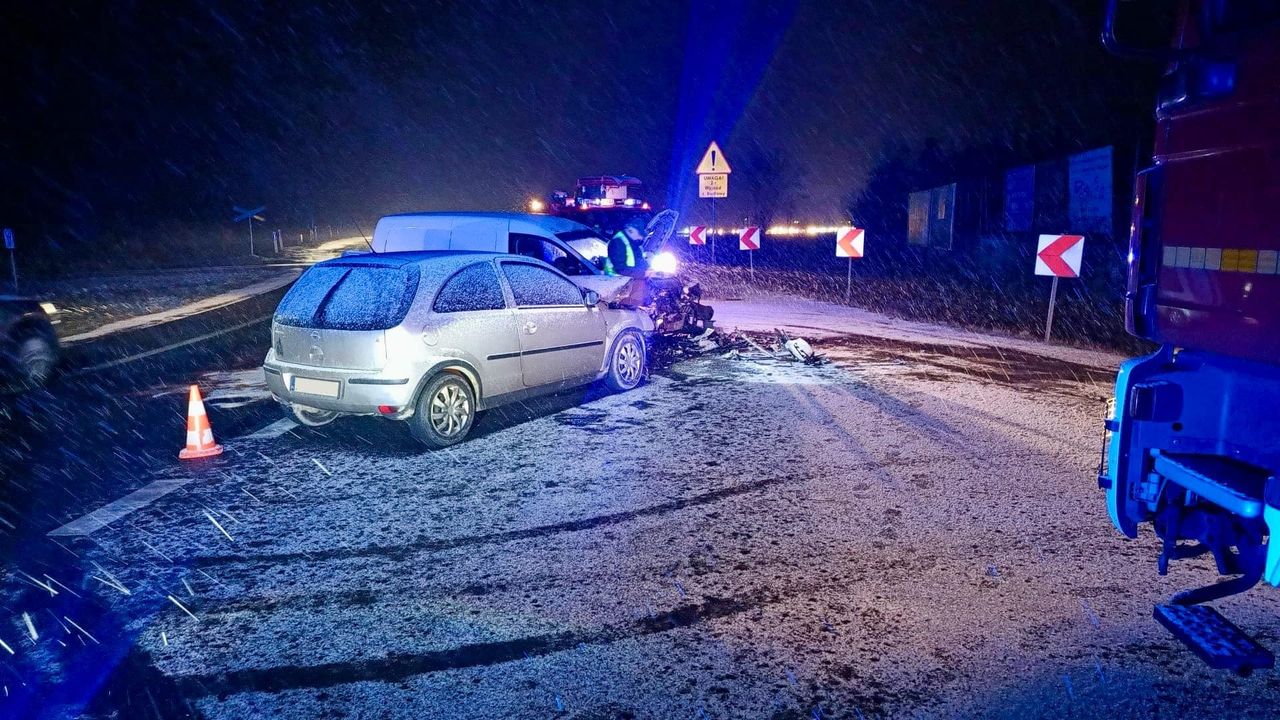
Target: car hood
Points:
(608, 287)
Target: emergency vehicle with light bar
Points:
(603, 202)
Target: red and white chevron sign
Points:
(849, 242)
(698, 235)
(1059, 255)
(749, 238)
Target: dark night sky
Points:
(129, 114)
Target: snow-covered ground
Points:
(311, 254)
(221, 388)
(96, 306)
(814, 319)
(277, 279)
(1082, 320)
(899, 534)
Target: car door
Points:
(470, 317)
(563, 257)
(561, 339)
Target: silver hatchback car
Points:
(435, 337)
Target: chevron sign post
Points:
(698, 235)
(849, 244)
(749, 240)
(1058, 256)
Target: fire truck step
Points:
(1215, 639)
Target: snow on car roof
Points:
(467, 231)
(434, 266)
(553, 223)
(400, 259)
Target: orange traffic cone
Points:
(200, 442)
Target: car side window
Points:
(540, 248)
(533, 286)
(472, 288)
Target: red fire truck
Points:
(603, 202)
(1192, 444)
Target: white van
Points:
(572, 248)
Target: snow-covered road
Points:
(913, 531)
(820, 320)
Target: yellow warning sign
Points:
(713, 162)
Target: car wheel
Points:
(37, 358)
(312, 417)
(627, 362)
(445, 412)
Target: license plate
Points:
(310, 386)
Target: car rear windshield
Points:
(349, 297)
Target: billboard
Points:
(1019, 198)
(1089, 191)
(931, 216)
(918, 218)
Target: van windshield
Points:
(349, 297)
(588, 244)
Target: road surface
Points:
(911, 531)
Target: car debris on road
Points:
(669, 349)
(799, 349)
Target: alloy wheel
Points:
(629, 361)
(450, 410)
(38, 360)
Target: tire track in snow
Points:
(428, 545)
(399, 667)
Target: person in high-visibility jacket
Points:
(626, 252)
(626, 257)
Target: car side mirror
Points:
(590, 298)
